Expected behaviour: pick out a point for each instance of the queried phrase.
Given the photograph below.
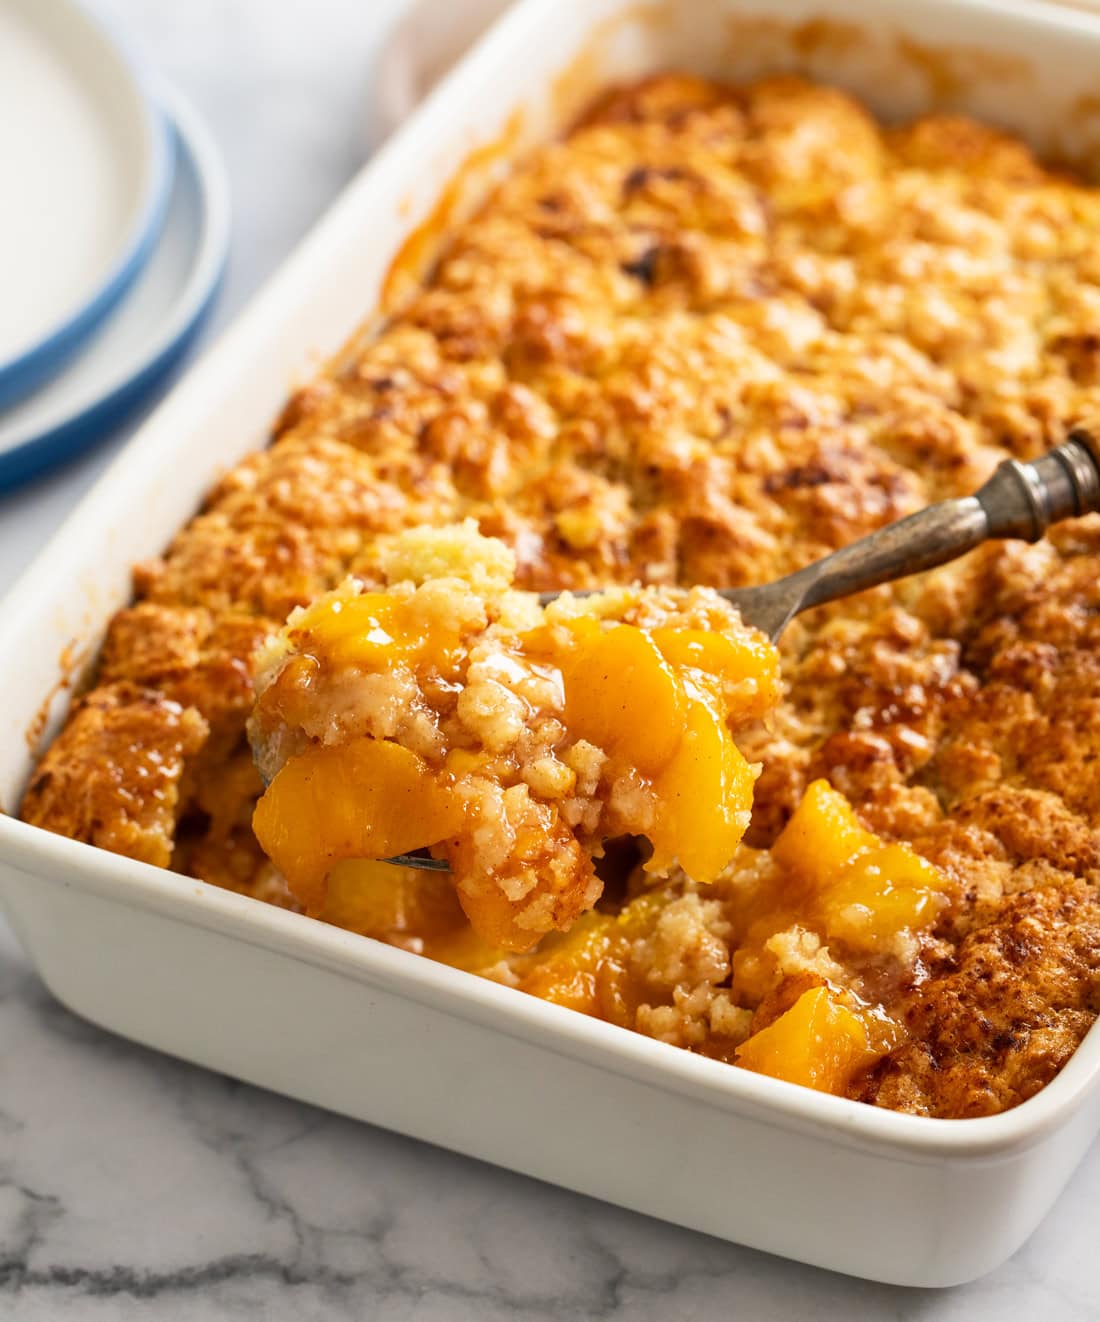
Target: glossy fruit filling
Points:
(827, 884)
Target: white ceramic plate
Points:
(86, 170)
(151, 326)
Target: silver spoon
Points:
(1020, 501)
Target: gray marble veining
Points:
(136, 1187)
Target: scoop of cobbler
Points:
(451, 712)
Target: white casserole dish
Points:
(372, 1032)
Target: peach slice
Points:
(741, 671)
(587, 968)
(414, 909)
(705, 799)
(373, 630)
(568, 976)
(823, 836)
(867, 891)
(819, 1042)
(882, 892)
(378, 899)
(623, 696)
(366, 799)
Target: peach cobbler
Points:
(455, 713)
(710, 335)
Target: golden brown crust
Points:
(713, 334)
(1006, 1013)
(113, 780)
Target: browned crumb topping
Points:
(114, 779)
(1000, 1015)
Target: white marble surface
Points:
(133, 1186)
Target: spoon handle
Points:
(1020, 500)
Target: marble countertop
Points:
(134, 1186)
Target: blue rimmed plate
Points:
(87, 168)
(149, 329)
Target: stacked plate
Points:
(113, 232)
